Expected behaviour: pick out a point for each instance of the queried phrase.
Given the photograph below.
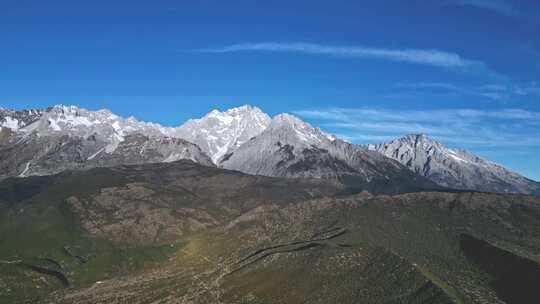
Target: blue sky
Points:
(466, 72)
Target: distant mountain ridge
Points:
(453, 168)
(46, 141)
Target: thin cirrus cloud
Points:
(502, 7)
(466, 128)
(496, 92)
(429, 57)
(490, 91)
(531, 89)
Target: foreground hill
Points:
(185, 233)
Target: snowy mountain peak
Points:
(416, 137)
(301, 129)
(420, 140)
(219, 133)
(429, 146)
(244, 109)
(238, 111)
(288, 119)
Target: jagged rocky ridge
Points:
(290, 147)
(453, 168)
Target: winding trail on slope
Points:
(54, 273)
(288, 247)
(44, 270)
(315, 239)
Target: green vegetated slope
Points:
(425, 230)
(183, 233)
(98, 224)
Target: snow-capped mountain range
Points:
(217, 133)
(43, 142)
(47, 141)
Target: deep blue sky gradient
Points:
(154, 60)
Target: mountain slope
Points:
(290, 147)
(45, 155)
(219, 133)
(457, 169)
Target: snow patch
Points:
(54, 125)
(95, 154)
(176, 156)
(330, 137)
(453, 155)
(222, 117)
(221, 150)
(26, 168)
(10, 123)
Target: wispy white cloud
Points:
(468, 128)
(429, 57)
(531, 89)
(502, 7)
(492, 91)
